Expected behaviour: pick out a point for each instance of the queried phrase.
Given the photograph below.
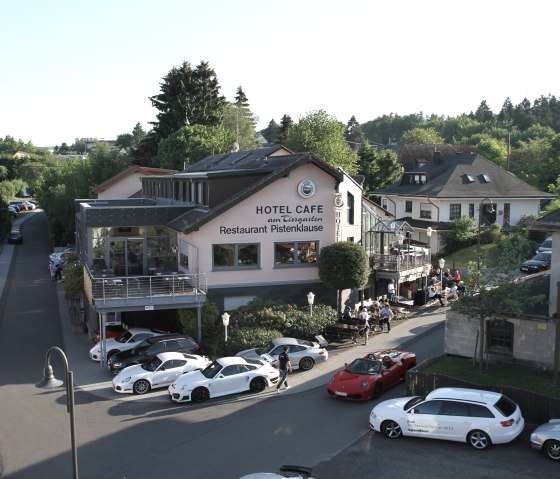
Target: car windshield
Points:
(269, 347)
(506, 406)
(124, 337)
(212, 370)
(413, 402)
(152, 365)
(141, 347)
(542, 257)
(303, 342)
(364, 366)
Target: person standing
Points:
(285, 367)
(385, 316)
(363, 324)
(391, 291)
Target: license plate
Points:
(524, 269)
(339, 393)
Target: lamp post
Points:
(50, 382)
(441, 265)
(426, 273)
(225, 320)
(310, 300)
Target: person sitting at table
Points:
(385, 316)
(453, 293)
(433, 295)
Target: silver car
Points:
(303, 354)
(546, 438)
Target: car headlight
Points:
(183, 387)
(332, 380)
(125, 380)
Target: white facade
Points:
(278, 214)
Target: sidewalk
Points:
(91, 377)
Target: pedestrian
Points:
(363, 324)
(52, 270)
(285, 367)
(58, 272)
(347, 313)
(391, 291)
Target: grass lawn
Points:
(497, 375)
(460, 259)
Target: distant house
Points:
(432, 192)
(127, 183)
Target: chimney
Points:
(437, 157)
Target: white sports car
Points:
(159, 372)
(127, 340)
(228, 375)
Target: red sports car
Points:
(367, 377)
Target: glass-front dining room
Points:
(133, 251)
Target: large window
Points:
(408, 206)
(297, 253)
(350, 202)
(236, 256)
(500, 336)
(425, 210)
(454, 211)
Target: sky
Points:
(86, 68)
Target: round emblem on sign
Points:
(338, 201)
(306, 188)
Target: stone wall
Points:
(533, 340)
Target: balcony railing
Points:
(159, 288)
(399, 263)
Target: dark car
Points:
(15, 237)
(147, 349)
(539, 262)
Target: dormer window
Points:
(469, 178)
(486, 178)
(414, 179)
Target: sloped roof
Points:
(549, 222)
(411, 153)
(271, 168)
(463, 176)
(143, 170)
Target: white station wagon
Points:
(480, 418)
(127, 340)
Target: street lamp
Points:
(225, 320)
(400, 239)
(441, 265)
(50, 382)
(310, 299)
(426, 273)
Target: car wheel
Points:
(306, 364)
(478, 439)
(111, 353)
(391, 429)
(257, 385)
(200, 394)
(552, 450)
(378, 390)
(141, 386)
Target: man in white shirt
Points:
(385, 316)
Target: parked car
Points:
(545, 246)
(539, 262)
(13, 211)
(366, 378)
(62, 256)
(546, 438)
(19, 204)
(303, 354)
(15, 236)
(29, 204)
(127, 340)
(111, 331)
(150, 347)
(227, 375)
(479, 418)
(294, 472)
(159, 372)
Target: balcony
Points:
(107, 292)
(406, 267)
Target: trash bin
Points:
(420, 298)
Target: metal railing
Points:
(135, 287)
(392, 262)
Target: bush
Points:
(517, 247)
(461, 234)
(491, 235)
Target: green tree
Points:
(240, 122)
(343, 265)
(271, 132)
(483, 113)
(187, 97)
(138, 134)
(191, 144)
(353, 133)
(493, 150)
(286, 125)
(423, 136)
(461, 234)
(379, 168)
(323, 135)
(106, 163)
(124, 140)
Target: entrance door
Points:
(126, 256)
